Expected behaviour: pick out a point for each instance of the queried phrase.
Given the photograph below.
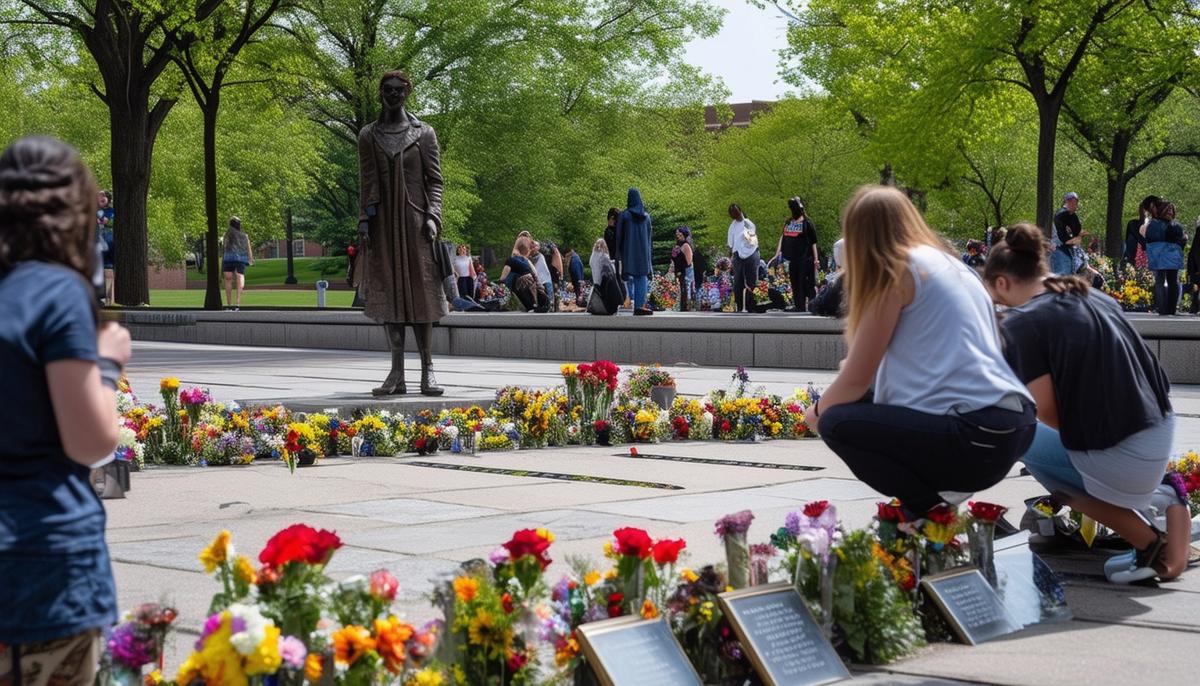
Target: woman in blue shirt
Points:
(59, 415)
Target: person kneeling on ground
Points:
(519, 275)
(949, 417)
(608, 292)
(1100, 451)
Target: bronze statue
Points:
(400, 218)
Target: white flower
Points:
(254, 628)
(452, 431)
(127, 437)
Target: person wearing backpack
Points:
(1165, 239)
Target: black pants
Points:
(1194, 289)
(683, 291)
(803, 275)
(1166, 290)
(913, 456)
(745, 276)
(466, 287)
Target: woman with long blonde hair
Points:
(948, 417)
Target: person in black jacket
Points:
(798, 245)
(1133, 231)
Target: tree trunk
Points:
(212, 292)
(1118, 180)
(1048, 111)
(131, 151)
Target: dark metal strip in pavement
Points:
(585, 478)
(722, 463)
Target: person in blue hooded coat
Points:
(633, 241)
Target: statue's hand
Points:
(363, 229)
(431, 229)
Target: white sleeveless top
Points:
(462, 265)
(945, 352)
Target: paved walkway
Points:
(422, 521)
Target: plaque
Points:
(780, 636)
(970, 605)
(629, 651)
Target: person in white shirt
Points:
(542, 269)
(743, 245)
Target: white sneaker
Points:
(1117, 563)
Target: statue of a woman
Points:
(400, 219)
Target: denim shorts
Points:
(233, 266)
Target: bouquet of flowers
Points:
(645, 377)
(137, 641)
(301, 445)
(690, 419)
(373, 437)
(1184, 475)
(510, 403)
(425, 437)
(762, 292)
(731, 529)
(192, 400)
(497, 436)
(702, 629)
(129, 448)
(664, 292)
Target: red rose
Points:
(725, 425)
(506, 602)
(632, 541)
(666, 551)
(890, 512)
(816, 508)
(528, 542)
(614, 603)
(942, 514)
(299, 543)
(987, 512)
(516, 661)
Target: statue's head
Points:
(394, 88)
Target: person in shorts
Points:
(237, 256)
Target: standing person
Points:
(1193, 270)
(1133, 231)
(1165, 239)
(237, 256)
(1066, 235)
(742, 240)
(681, 261)
(542, 268)
(104, 228)
(555, 259)
(1071, 345)
(60, 418)
(464, 272)
(575, 272)
(611, 241)
(798, 245)
(633, 237)
(948, 417)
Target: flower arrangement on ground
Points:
(1184, 474)
(664, 292)
(646, 377)
(374, 437)
(136, 642)
(732, 530)
(301, 445)
(690, 419)
(705, 635)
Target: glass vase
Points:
(828, 570)
(981, 538)
(737, 559)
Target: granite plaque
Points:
(629, 651)
(970, 605)
(780, 636)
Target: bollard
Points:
(322, 286)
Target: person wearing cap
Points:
(798, 245)
(1066, 235)
(237, 256)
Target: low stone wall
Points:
(725, 340)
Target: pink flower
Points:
(293, 652)
(383, 585)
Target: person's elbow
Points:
(89, 446)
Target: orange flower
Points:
(465, 588)
(313, 667)
(351, 643)
(390, 636)
(649, 611)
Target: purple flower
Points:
(736, 523)
(293, 652)
(1175, 481)
(130, 646)
(498, 556)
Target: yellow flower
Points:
(265, 659)
(153, 678)
(611, 574)
(591, 578)
(608, 549)
(243, 570)
(170, 383)
(706, 610)
(483, 632)
(217, 553)
(649, 611)
(313, 667)
(688, 575)
(427, 677)
(465, 588)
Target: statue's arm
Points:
(432, 163)
(368, 178)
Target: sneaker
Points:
(642, 311)
(1144, 566)
(1118, 563)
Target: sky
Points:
(744, 53)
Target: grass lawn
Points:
(257, 298)
(273, 272)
